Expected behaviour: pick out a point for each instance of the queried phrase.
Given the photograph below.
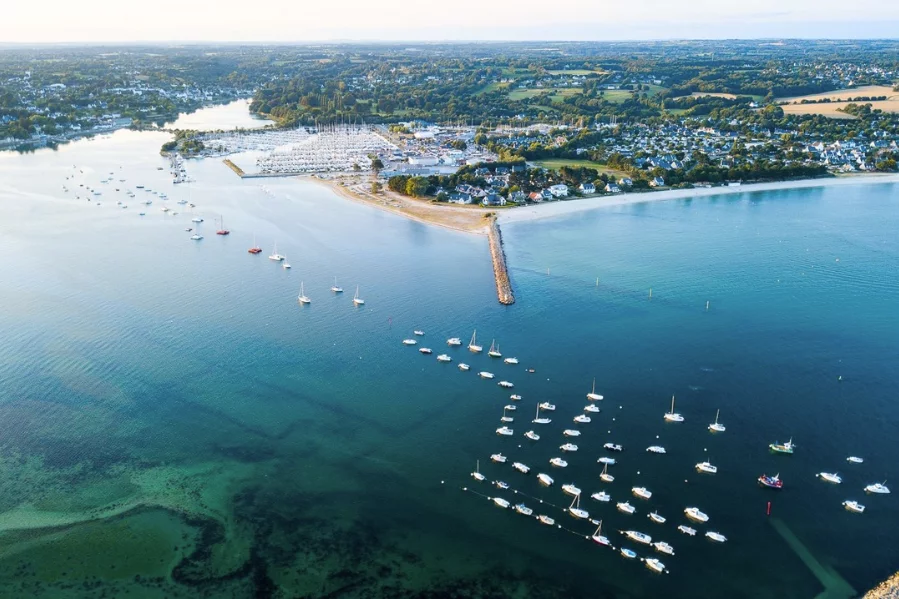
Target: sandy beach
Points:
(552, 209)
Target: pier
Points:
(234, 167)
(500, 272)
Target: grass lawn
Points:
(557, 163)
(556, 94)
(491, 87)
(578, 72)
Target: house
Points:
(493, 200)
(547, 194)
(612, 188)
(460, 198)
(535, 196)
(626, 181)
(657, 182)
(518, 197)
(587, 188)
(559, 191)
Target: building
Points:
(587, 188)
(423, 160)
(612, 188)
(559, 191)
(657, 182)
(535, 196)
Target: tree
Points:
(376, 165)
(375, 187)
(356, 167)
(416, 187)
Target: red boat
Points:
(255, 249)
(772, 482)
(224, 231)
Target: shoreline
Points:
(565, 207)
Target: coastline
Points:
(565, 207)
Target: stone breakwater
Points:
(888, 589)
(500, 272)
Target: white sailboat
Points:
(473, 344)
(673, 416)
(575, 509)
(715, 427)
(593, 395)
(477, 472)
(493, 352)
(356, 299)
(285, 264)
(302, 298)
(335, 288)
(275, 256)
(538, 420)
(599, 538)
(605, 476)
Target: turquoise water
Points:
(173, 424)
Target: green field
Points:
(557, 163)
(617, 96)
(556, 94)
(577, 72)
(491, 87)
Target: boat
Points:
(569, 432)
(605, 476)
(444, 358)
(275, 255)
(505, 431)
(546, 520)
(532, 436)
(545, 479)
(628, 553)
(591, 408)
(410, 342)
(706, 467)
(655, 565)
(575, 509)
(477, 472)
(548, 406)
(568, 447)
(501, 485)
(512, 361)
(505, 384)
(303, 298)
(601, 496)
(538, 420)
(626, 507)
(598, 538)
(782, 447)
(356, 299)
(854, 460)
(854, 506)
(498, 458)
(606, 461)
(637, 536)
(196, 219)
(425, 350)
(196, 237)
(830, 477)
(658, 519)
(223, 230)
(493, 352)
(515, 397)
(558, 462)
(687, 530)
(593, 395)
(571, 489)
(582, 418)
(454, 342)
(463, 366)
(255, 249)
(663, 547)
(694, 513)
(716, 536)
(521, 467)
(531, 370)
(772, 482)
(285, 265)
(500, 502)
(656, 449)
(473, 344)
(523, 509)
(715, 427)
(485, 375)
(335, 288)
(506, 418)
(418, 333)
(613, 447)
(880, 488)
(672, 416)
(641, 492)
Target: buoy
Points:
(769, 509)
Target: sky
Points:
(58, 21)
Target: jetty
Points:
(500, 272)
(234, 167)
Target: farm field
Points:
(891, 104)
(557, 163)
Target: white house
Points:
(587, 188)
(612, 188)
(657, 182)
(559, 191)
(626, 181)
(423, 160)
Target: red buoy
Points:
(769, 509)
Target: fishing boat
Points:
(671, 415)
(606, 461)
(410, 342)
(335, 288)
(546, 520)
(571, 489)
(593, 395)
(641, 492)
(582, 418)
(222, 230)
(505, 384)
(706, 468)
(772, 482)
(511, 408)
(356, 299)
(575, 509)
(498, 458)
(545, 480)
(521, 467)
(485, 375)
(303, 298)
(523, 509)
(515, 397)
(285, 265)
(500, 502)
(196, 237)
(418, 333)
(569, 432)
(196, 219)
(637, 536)
(782, 447)
(275, 255)
(601, 496)
(425, 350)
(663, 547)
(716, 536)
(558, 462)
(628, 553)
(505, 431)
(626, 507)
(694, 513)
(715, 427)
(657, 518)
(444, 358)
(493, 352)
(656, 449)
(880, 488)
(454, 342)
(655, 565)
(830, 477)
(568, 447)
(548, 406)
(463, 366)
(605, 476)
(255, 249)
(538, 419)
(477, 472)
(532, 436)
(687, 530)
(473, 344)
(598, 538)
(613, 447)
(512, 361)
(854, 460)
(591, 408)
(501, 485)
(854, 506)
